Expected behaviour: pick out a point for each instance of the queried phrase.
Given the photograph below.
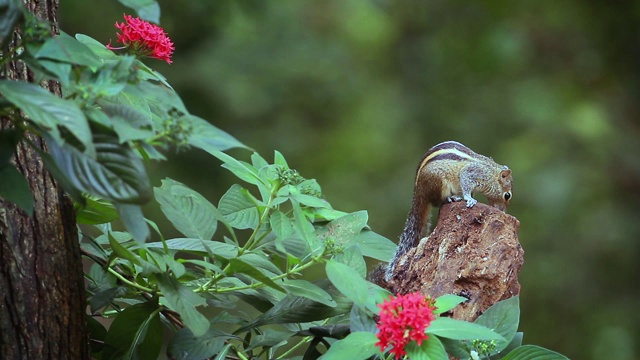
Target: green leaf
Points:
(123, 252)
(186, 346)
(209, 138)
(502, 317)
(116, 173)
(294, 309)
(133, 219)
(456, 348)
(305, 230)
(447, 302)
(461, 330)
(221, 250)
(65, 48)
(190, 213)
(281, 224)
(348, 282)
(182, 300)
(309, 290)
(129, 123)
(49, 111)
(345, 228)
(241, 169)
(430, 349)
(96, 47)
(373, 245)
(14, 188)
(95, 211)
(242, 267)
(237, 207)
(136, 333)
(146, 9)
(357, 345)
(352, 257)
(532, 352)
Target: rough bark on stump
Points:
(42, 299)
(473, 253)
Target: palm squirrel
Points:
(450, 172)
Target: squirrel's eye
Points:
(507, 196)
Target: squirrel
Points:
(450, 172)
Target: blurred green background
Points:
(354, 92)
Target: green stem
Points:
(128, 282)
(263, 218)
(259, 284)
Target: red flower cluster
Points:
(402, 319)
(144, 39)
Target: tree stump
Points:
(472, 252)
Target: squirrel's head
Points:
(502, 198)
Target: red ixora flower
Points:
(402, 319)
(144, 39)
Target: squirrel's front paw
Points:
(454, 198)
(471, 202)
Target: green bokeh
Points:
(354, 92)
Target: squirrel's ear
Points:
(505, 173)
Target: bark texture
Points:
(473, 253)
(42, 298)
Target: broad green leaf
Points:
(241, 169)
(187, 210)
(309, 290)
(133, 219)
(258, 161)
(242, 267)
(352, 257)
(182, 300)
(279, 159)
(360, 320)
(49, 111)
(135, 333)
(447, 302)
(348, 282)
(502, 317)
(103, 297)
(98, 48)
(129, 123)
(461, 330)
(305, 230)
(373, 245)
(345, 228)
(146, 9)
(122, 251)
(238, 208)
(456, 348)
(222, 250)
(430, 349)
(209, 138)
(281, 224)
(95, 211)
(311, 201)
(295, 309)
(14, 188)
(532, 352)
(515, 343)
(186, 346)
(97, 333)
(65, 48)
(115, 174)
(357, 345)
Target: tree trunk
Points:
(472, 252)
(42, 300)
